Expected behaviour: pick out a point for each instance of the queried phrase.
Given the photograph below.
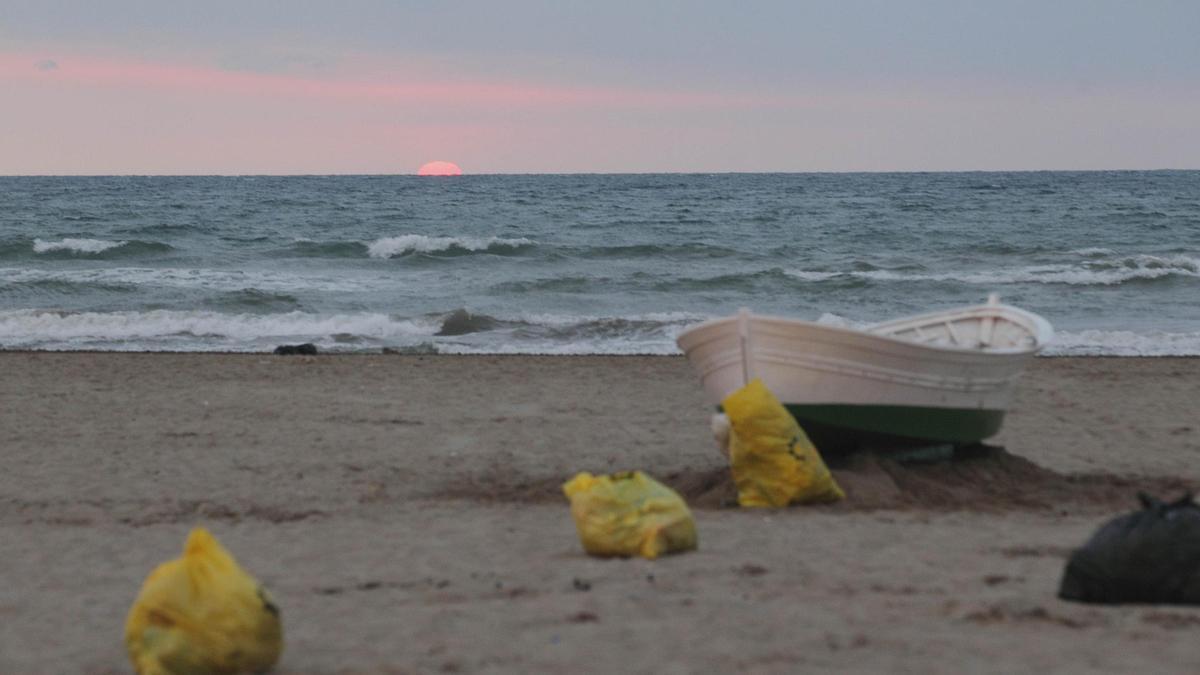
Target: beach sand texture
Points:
(405, 512)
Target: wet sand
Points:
(405, 513)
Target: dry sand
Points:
(405, 513)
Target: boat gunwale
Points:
(955, 384)
(1041, 330)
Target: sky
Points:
(564, 86)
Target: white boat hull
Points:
(964, 367)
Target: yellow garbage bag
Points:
(773, 462)
(629, 514)
(201, 614)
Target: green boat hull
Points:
(847, 427)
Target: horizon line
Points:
(580, 173)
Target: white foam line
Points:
(206, 330)
(1123, 343)
(77, 245)
(212, 279)
(25, 326)
(390, 247)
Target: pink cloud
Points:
(92, 114)
(117, 73)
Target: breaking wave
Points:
(394, 247)
(98, 248)
(456, 332)
(75, 245)
(191, 330)
(93, 249)
(1123, 343)
(407, 244)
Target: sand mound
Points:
(978, 478)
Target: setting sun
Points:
(439, 169)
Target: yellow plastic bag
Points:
(629, 514)
(200, 614)
(773, 462)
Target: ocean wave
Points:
(98, 247)
(14, 248)
(805, 275)
(458, 331)
(771, 279)
(837, 320)
(172, 229)
(254, 299)
(1008, 248)
(1094, 252)
(197, 330)
(75, 245)
(1096, 272)
(186, 278)
(651, 333)
(665, 347)
(307, 248)
(567, 327)
(687, 250)
(1123, 343)
(565, 284)
(393, 247)
(462, 322)
(44, 289)
(746, 281)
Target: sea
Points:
(586, 263)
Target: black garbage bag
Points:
(1147, 556)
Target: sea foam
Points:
(181, 277)
(651, 333)
(75, 245)
(193, 329)
(391, 247)
(1123, 343)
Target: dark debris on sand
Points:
(979, 478)
(306, 349)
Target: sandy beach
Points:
(405, 512)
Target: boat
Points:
(940, 378)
